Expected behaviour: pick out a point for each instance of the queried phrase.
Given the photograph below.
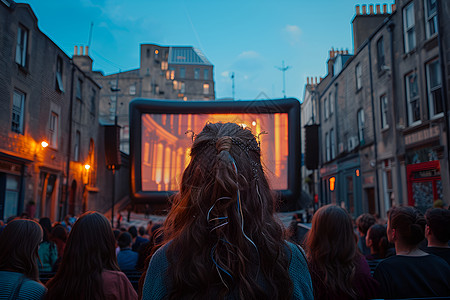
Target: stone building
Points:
(45, 97)
(384, 111)
(165, 72)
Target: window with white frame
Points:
(17, 112)
(205, 88)
(325, 108)
(361, 124)
(380, 54)
(434, 88)
(332, 144)
(409, 31)
(431, 24)
(412, 99)
(384, 111)
(327, 144)
(53, 130)
(205, 74)
(358, 74)
(132, 89)
(196, 73)
(76, 148)
(59, 74)
(21, 46)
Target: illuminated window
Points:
(18, 112)
(164, 65)
(409, 31)
(21, 46)
(205, 88)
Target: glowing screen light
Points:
(332, 182)
(167, 138)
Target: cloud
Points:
(248, 61)
(225, 74)
(292, 34)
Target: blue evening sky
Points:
(248, 37)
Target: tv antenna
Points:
(232, 83)
(90, 34)
(283, 69)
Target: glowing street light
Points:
(44, 144)
(87, 167)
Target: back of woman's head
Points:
(225, 208)
(19, 242)
(89, 250)
(377, 234)
(409, 224)
(59, 232)
(364, 222)
(331, 247)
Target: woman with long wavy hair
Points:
(19, 275)
(338, 270)
(221, 239)
(88, 268)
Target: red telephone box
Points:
(424, 183)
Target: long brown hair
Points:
(19, 242)
(90, 249)
(332, 250)
(223, 236)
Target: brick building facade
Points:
(44, 97)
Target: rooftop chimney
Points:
(82, 59)
(364, 9)
(378, 9)
(371, 9)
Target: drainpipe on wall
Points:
(69, 148)
(377, 191)
(444, 79)
(391, 27)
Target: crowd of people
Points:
(222, 240)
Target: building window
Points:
(325, 108)
(182, 72)
(332, 144)
(53, 130)
(59, 74)
(79, 88)
(431, 18)
(384, 111)
(205, 74)
(93, 97)
(361, 123)
(331, 103)
(409, 32)
(132, 90)
(182, 88)
(21, 46)
(18, 112)
(164, 65)
(196, 73)
(76, 148)
(170, 74)
(205, 88)
(434, 89)
(358, 74)
(327, 144)
(380, 54)
(412, 99)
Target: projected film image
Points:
(167, 138)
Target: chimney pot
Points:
(393, 7)
(81, 50)
(86, 50)
(364, 9)
(385, 9)
(357, 10)
(371, 9)
(307, 80)
(315, 80)
(75, 50)
(378, 9)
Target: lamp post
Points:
(115, 89)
